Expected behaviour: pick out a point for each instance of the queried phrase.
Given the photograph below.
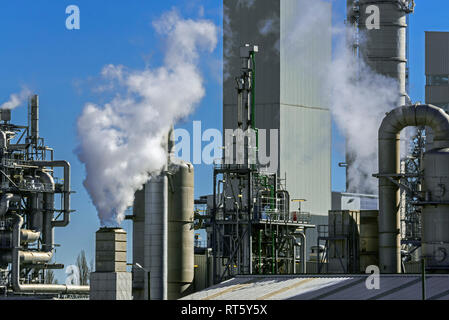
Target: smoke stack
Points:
(34, 118)
(110, 281)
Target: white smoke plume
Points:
(122, 142)
(360, 98)
(16, 99)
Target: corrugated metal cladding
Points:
(345, 287)
(289, 94)
(437, 69)
(437, 53)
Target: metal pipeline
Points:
(389, 167)
(4, 203)
(66, 204)
(3, 141)
(49, 200)
(15, 270)
(165, 238)
(29, 236)
(303, 252)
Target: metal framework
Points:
(252, 230)
(28, 214)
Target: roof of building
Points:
(330, 287)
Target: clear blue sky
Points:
(63, 66)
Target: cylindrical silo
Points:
(155, 237)
(435, 215)
(180, 230)
(139, 274)
(383, 46)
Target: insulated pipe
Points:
(4, 203)
(389, 164)
(28, 257)
(15, 270)
(164, 290)
(3, 140)
(49, 200)
(28, 236)
(36, 208)
(303, 252)
(66, 206)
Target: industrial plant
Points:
(267, 232)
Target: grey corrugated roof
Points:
(330, 287)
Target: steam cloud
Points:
(122, 142)
(16, 99)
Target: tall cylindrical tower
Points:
(377, 34)
(180, 230)
(383, 40)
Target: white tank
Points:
(180, 230)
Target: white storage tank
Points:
(180, 229)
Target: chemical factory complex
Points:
(267, 230)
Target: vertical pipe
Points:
(149, 284)
(164, 236)
(303, 251)
(253, 91)
(273, 253)
(34, 121)
(260, 250)
(250, 225)
(423, 277)
(214, 231)
(294, 255)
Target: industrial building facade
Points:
(288, 93)
(437, 69)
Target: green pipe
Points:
(253, 102)
(265, 184)
(260, 250)
(253, 92)
(273, 252)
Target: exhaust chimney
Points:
(34, 118)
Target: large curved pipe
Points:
(389, 165)
(15, 270)
(66, 204)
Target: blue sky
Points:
(63, 67)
